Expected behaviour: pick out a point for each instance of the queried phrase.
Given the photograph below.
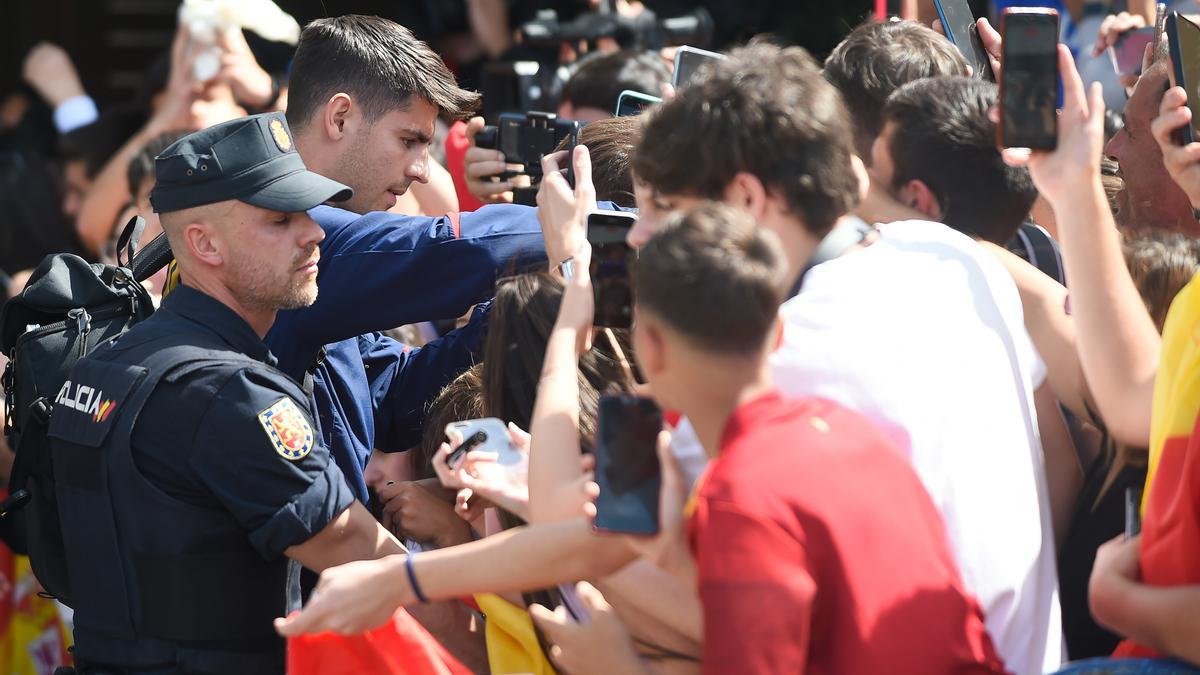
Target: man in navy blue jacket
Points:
(363, 99)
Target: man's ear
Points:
(203, 244)
(747, 192)
(864, 178)
(336, 114)
(916, 195)
(651, 347)
(776, 334)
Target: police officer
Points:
(189, 470)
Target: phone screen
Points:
(1029, 90)
(627, 468)
(1184, 38)
(687, 61)
(634, 103)
(612, 283)
(959, 24)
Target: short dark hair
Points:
(611, 143)
(876, 59)
(767, 111)
(599, 80)
(461, 399)
(380, 63)
(141, 165)
(715, 276)
(944, 138)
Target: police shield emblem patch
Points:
(287, 428)
(280, 135)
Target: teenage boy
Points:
(922, 331)
(803, 497)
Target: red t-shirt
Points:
(456, 152)
(819, 550)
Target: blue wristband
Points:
(412, 578)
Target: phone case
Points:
(496, 439)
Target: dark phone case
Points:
(972, 46)
(629, 489)
(612, 284)
(1178, 76)
(1045, 143)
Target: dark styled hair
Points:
(715, 276)
(766, 111)
(141, 165)
(380, 63)
(943, 138)
(462, 399)
(599, 80)
(611, 143)
(522, 315)
(876, 59)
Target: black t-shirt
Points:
(1092, 524)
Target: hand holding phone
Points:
(1183, 36)
(1126, 55)
(1029, 80)
(484, 435)
(958, 22)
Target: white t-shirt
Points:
(923, 333)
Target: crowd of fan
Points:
(911, 457)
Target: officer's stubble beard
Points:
(258, 285)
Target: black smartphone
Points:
(627, 467)
(1183, 36)
(1029, 83)
(612, 283)
(959, 24)
(687, 61)
(631, 102)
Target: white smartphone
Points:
(488, 434)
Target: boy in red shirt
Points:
(814, 546)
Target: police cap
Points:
(252, 159)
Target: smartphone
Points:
(1183, 36)
(1133, 514)
(1029, 84)
(612, 283)
(687, 61)
(632, 102)
(488, 435)
(627, 468)
(1126, 55)
(959, 23)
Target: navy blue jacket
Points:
(380, 271)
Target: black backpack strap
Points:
(127, 242)
(311, 371)
(153, 258)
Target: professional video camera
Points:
(534, 83)
(524, 139)
(641, 31)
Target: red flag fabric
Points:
(399, 647)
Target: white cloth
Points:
(923, 332)
(75, 112)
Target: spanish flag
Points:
(1170, 545)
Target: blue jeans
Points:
(1107, 666)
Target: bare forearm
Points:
(489, 23)
(1117, 341)
(554, 446)
(352, 535)
(108, 195)
(521, 559)
(671, 612)
(1160, 617)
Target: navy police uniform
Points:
(186, 462)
